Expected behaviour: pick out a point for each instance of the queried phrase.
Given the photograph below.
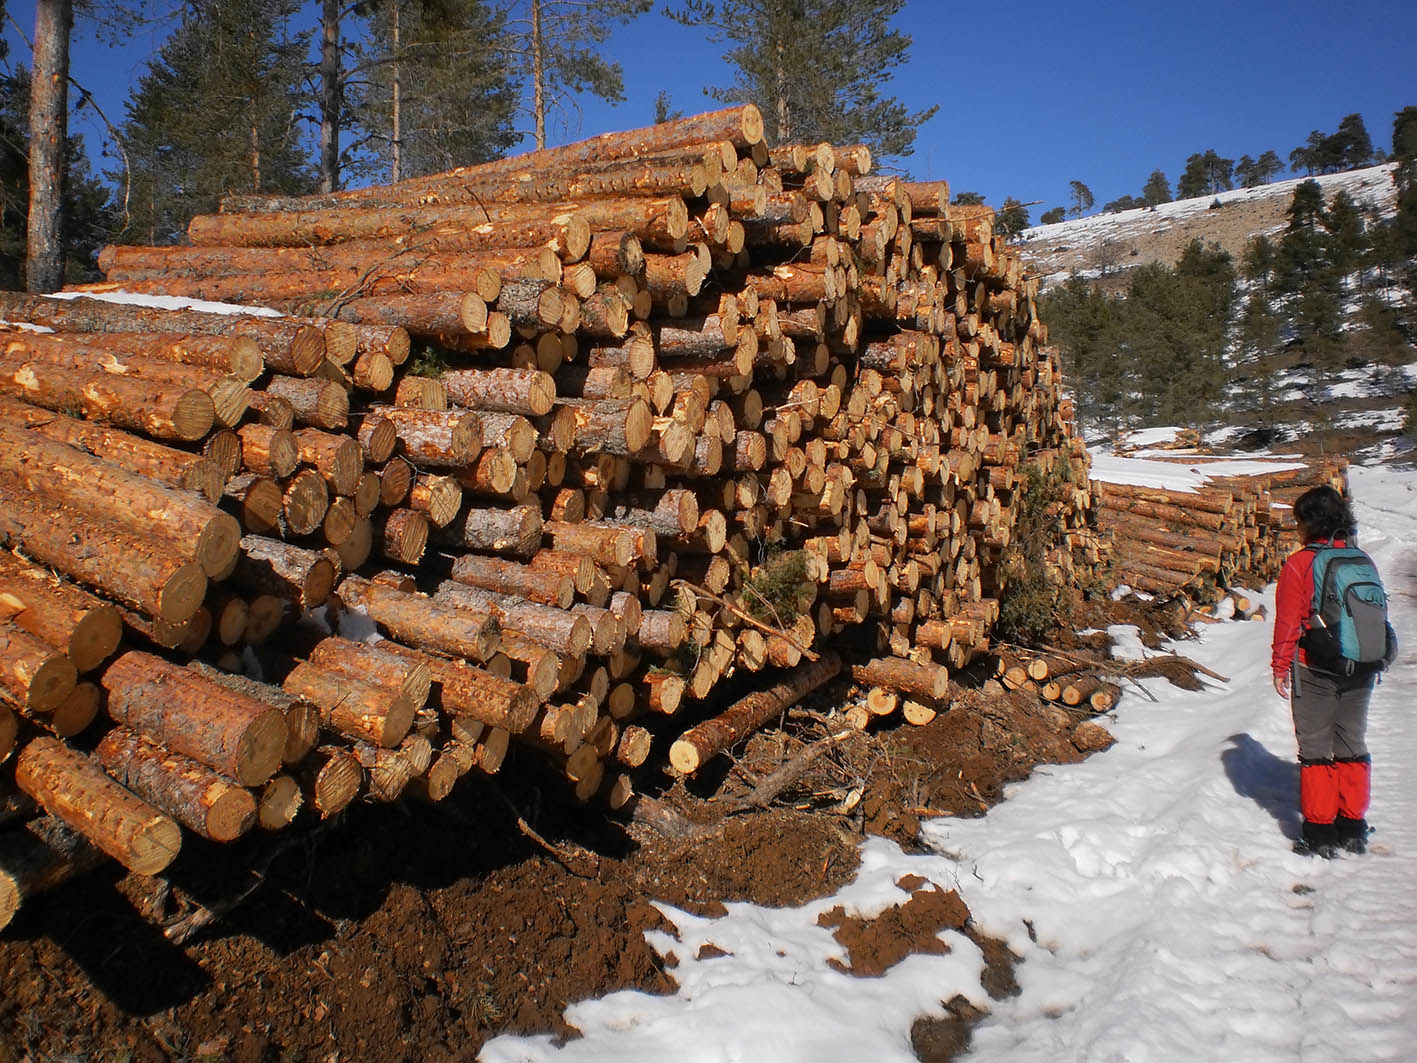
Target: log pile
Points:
(1230, 526)
(591, 436)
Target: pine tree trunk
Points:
(329, 95)
(48, 132)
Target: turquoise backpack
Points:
(1348, 631)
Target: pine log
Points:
(378, 663)
(337, 458)
(435, 438)
(74, 479)
(33, 674)
(315, 402)
(516, 531)
(288, 345)
(280, 802)
(556, 628)
(270, 566)
(188, 791)
(162, 411)
(330, 778)
(423, 622)
(142, 457)
(697, 745)
(472, 693)
(235, 734)
(358, 709)
(509, 577)
(126, 567)
(925, 681)
(67, 617)
(72, 788)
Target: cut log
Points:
(39, 856)
(379, 663)
(330, 778)
(923, 680)
(65, 616)
(444, 439)
(137, 572)
(236, 735)
(33, 674)
(162, 411)
(142, 457)
(697, 745)
(472, 693)
(423, 622)
(76, 480)
(509, 577)
(72, 788)
(188, 791)
(269, 566)
(357, 709)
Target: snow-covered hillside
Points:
(1116, 242)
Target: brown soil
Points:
(417, 931)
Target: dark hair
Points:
(1323, 513)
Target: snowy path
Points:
(1150, 891)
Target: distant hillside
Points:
(1352, 396)
(1105, 246)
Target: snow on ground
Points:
(1173, 475)
(1150, 891)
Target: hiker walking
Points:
(1331, 639)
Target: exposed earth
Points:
(417, 931)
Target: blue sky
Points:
(1031, 95)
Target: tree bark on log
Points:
(270, 566)
(472, 693)
(698, 744)
(162, 411)
(362, 710)
(922, 680)
(33, 674)
(129, 568)
(67, 617)
(186, 713)
(419, 621)
(39, 856)
(76, 480)
(72, 788)
(447, 439)
(142, 457)
(188, 791)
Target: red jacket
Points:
(1293, 605)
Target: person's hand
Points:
(1281, 684)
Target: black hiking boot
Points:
(1351, 834)
(1318, 839)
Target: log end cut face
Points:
(262, 745)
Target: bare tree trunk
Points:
(784, 115)
(538, 75)
(49, 115)
(329, 96)
(395, 169)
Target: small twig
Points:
(750, 619)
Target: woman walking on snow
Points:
(1330, 710)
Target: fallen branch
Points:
(769, 787)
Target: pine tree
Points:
(1052, 216)
(215, 112)
(1012, 217)
(969, 199)
(1081, 196)
(1084, 322)
(88, 218)
(1260, 336)
(1157, 189)
(1305, 272)
(1205, 174)
(1309, 156)
(407, 117)
(817, 69)
(1403, 238)
(557, 44)
(1352, 146)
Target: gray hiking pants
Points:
(1330, 714)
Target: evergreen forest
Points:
(1211, 338)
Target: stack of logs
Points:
(582, 433)
(1233, 530)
